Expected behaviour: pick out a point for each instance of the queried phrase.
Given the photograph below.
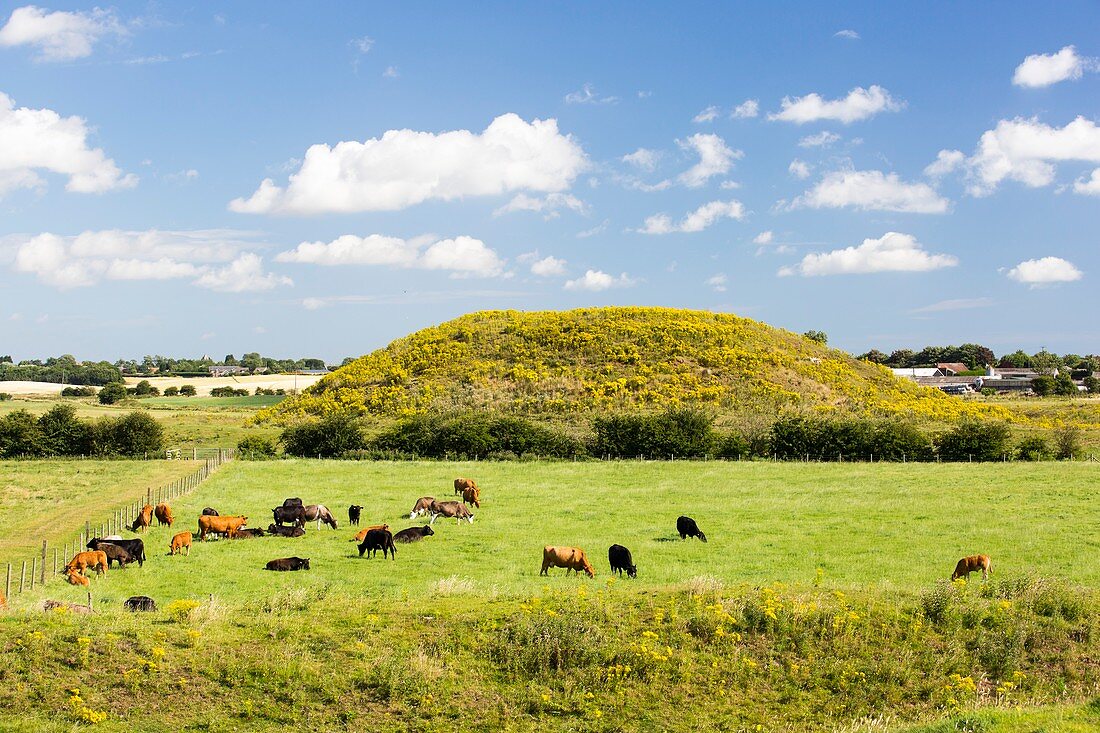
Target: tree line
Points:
(976, 357)
(60, 432)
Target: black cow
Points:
(249, 533)
(115, 553)
(378, 539)
(687, 527)
(293, 501)
(140, 603)
(136, 548)
(289, 563)
(210, 512)
(353, 514)
(620, 560)
(413, 534)
(295, 515)
(275, 529)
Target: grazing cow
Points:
(143, 519)
(378, 539)
(221, 525)
(139, 603)
(454, 509)
(464, 483)
(179, 542)
(115, 553)
(247, 534)
(687, 527)
(423, 506)
(95, 559)
(472, 496)
(318, 513)
(413, 534)
(293, 501)
(76, 578)
(572, 558)
(295, 515)
(289, 563)
(209, 512)
(163, 513)
(353, 514)
(135, 547)
(361, 534)
(279, 531)
(620, 560)
(973, 564)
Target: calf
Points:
(413, 534)
(279, 531)
(472, 496)
(361, 534)
(289, 563)
(378, 539)
(135, 547)
(245, 534)
(163, 513)
(180, 542)
(454, 509)
(620, 560)
(95, 559)
(353, 514)
(572, 558)
(973, 564)
(687, 527)
(143, 519)
(423, 505)
(76, 578)
(139, 603)
(115, 553)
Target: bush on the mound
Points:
(330, 437)
(974, 440)
(255, 448)
(676, 433)
(475, 435)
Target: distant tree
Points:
(1067, 442)
(135, 434)
(1043, 385)
(900, 358)
(1065, 386)
(252, 360)
(171, 391)
(1092, 384)
(1045, 362)
(972, 440)
(313, 363)
(347, 360)
(20, 435)
(976, 356)
(6, 358)
(188, 390)
(1016, 360)
(63, 434)
(229, 360)
(112, 393)
(874, 356)
(145, 389)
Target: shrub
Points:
(687, 433)
(1067, 442)
(1032, 449)
(64, 434)
(188, 390)
(974, 440)
(798, 437)
(135, 434)
(733, 445)
(1092, 384)
(5, 396)
(171, 391)
(475, 435)
(328, 438)
(1042, 385)
(1065, 386)
(112, 393)
(20, 435)
(255, 448)
(228, 392)
(145, 389)
(78, 392)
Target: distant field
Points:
(213, 403)
(202, 384)
(883, 526)
(51, 499)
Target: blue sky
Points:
(320, 179)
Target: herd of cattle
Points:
(290, 520)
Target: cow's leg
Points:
(433, 518)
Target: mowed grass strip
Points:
(51, 499)
(896, 527)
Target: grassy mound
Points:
(573, 363)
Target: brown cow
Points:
(77, 578)
(448, 509)
(143, 519)
(361, 534)
(422, 506)
(95, 559)
(472, 495)
(973, 564)
(572, 558)
(221, 525)
(163, 513)
(179, 542)
(464, 483)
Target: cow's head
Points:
(588, 568)
(305, 563)
(632, 571)
(427, 531)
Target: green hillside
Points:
(596, 359)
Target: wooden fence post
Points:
(22, 576)
(42, 567)
(55, 561)
(7, 583)
(34, 570)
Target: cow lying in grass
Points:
(448, 509)
(76, 578)
(973, 564)
(378, 539)
(280, 531)
(571, 558)
(289, 563)
(413, 534)
(139, 603)
(250, 532)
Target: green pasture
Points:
(213, 403)
(887, 527)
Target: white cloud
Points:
(871, 191)
(729, 185)
(42, 139)
(60, 35)
(548, 267)
(955, 304)
(717, 283)
(1090, 186)
(745, 110)
(715, 158)
(1042, 70)
(391, 72)
(1024, 150)
(696, 221)
(598, 229)
(244, 274)
(848, 34)
(596, 280)
(764, 237)
(312, 304)
(362, 44)
(892, 252)
(1044, 271)
(643, 158)
(588, 95)
(858, 105)
(799, 169)
(822, 139)
(708, 115)
(462, 256)
(548, 205)
(945, 162)
(92, 256)
(405, 167)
